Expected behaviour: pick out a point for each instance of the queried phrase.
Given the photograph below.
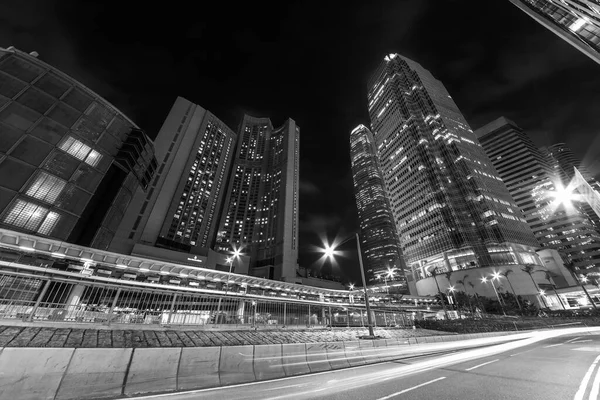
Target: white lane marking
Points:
(481, 365)
(411, 388)
(585, 380)
(526, 351)
(581, 341)
(284, 387)
(553, 345)
(595, 387)
(571, 340)
(595, 349)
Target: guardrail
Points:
(37, 294)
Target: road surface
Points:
(562, 368)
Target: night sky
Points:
(310, 61)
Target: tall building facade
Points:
(260, 214)
(564, 162)
(575, 21)
(70, 162)
(379, 239)
(180, 210)
(451, 209)
(532, 182)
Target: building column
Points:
(447, 262)
(240, 311)
(516, 254)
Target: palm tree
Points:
(548, 277)
(506, 274)
(529, 269)
(476, 295)
(571, 267)
(462, 282)
(435, 274)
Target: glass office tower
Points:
(531, 181)
(69, 160)
(575, 21)
(451, 209)
(260, 213)
(379, 240)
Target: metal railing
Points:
(33, 294)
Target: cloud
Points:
(307, 187)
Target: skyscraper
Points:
(180, 211)
(379, 239)
(261, 208)
(533, 183)
(70, 162)
(217, 191)
(575, 21)
(564, 162)
(451, 208)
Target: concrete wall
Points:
(62, 373)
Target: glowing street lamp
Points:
(329, 252)
(494, 276)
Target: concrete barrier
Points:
(267, 362)
(32, 373)
(336, 355)
(316, 357)
(294, 359)
(236, 365)
(95, 373)
(63, 374)
(353, 353)
(198, 368)
(153, 370)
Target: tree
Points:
(529, 269)
(434, 274)
(462, 282)
(476, 295)
(548, 277)
(506, 274)
(573, 270)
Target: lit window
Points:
(46, 187)
(32, 217)
(81, 151)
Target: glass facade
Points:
(379, 240)
(58, 142)
(575, 21)
(531, 181)
(261, 209)
(451, 209)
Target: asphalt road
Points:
(562, 368)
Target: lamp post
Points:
(451, 294)
(230, 260)
(330, 252)
(484, 280)
(582, 282)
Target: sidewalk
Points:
(36, 336)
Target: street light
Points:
(494, 276)
(330, 252)
(236, 254)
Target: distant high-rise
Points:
(575, 21)
(70, 162)
(260, 213)
(531, 181)
(379, 238)
(180, 210)
(564, 162)
(451, 208)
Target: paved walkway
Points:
(28, 336)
